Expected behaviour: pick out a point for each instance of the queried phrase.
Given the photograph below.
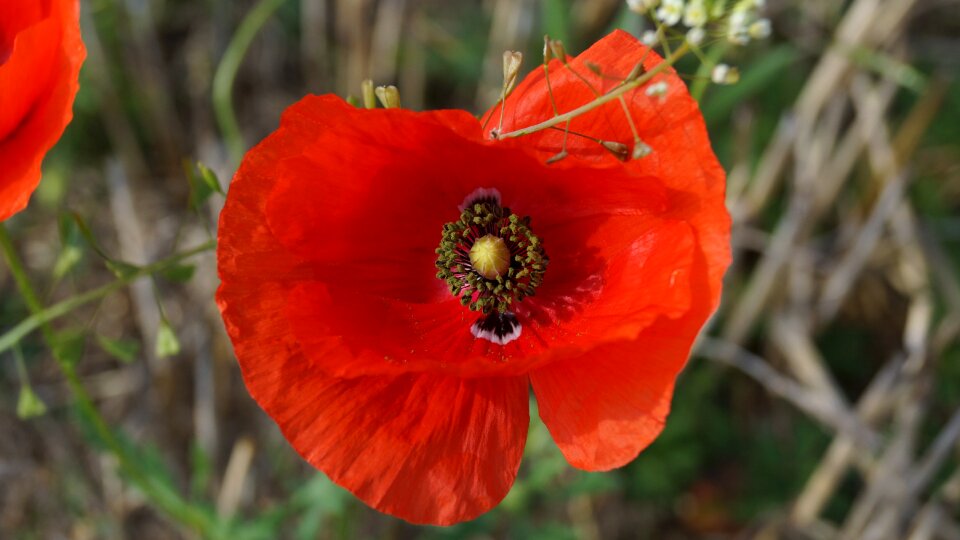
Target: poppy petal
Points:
(366, 361)
(606, 406)
(426, 448)
(670, 123)
(656, 117)
(33, 50)
(46, 101)
(361, 252)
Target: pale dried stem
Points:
(890, 243)
(874, 404)
(846, 271)
(238, 468)
(815, 404)
(802, 214)
(793, 338)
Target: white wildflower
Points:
(695, 35)
(760, 29)
(724, 74)
(657, 89)
(670, 12)
(649, 38)
(641, 149)
(695, 15)
(739, 18)
(738, 27)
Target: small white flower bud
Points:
(738, 27)
(670, 12)
(649, 38)
(657, 89)
(640, 149)
(695, 35)
(760, 29)
(724, 74)
(695, 15)
(739, 18)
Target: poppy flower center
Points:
(490, 258)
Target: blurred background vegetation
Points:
(821, 403)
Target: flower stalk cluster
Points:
(737, 22)
(740, 20)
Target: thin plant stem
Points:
(553, 101)
(43, 315)
(702, 78)
(627, 86)
(227, 71)
(633, 126)
(163, 497)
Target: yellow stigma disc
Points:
(490, 256)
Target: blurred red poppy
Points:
(588, 278)
(40, 57)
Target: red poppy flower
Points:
(588, 278)
(40, 57)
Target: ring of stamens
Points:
(490, 258)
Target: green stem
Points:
(18, 271)
(702, 80)
(41, 316)
(160, 494)
(227, 72)
(602, 100)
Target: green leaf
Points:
(180, 273)
(87, 234)
(29, 404)
(72, 251)
(68, 346)
(167, 342)
(203, 183)
(122, 270)
(210, 178)
(123, 350)
(67, 259)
